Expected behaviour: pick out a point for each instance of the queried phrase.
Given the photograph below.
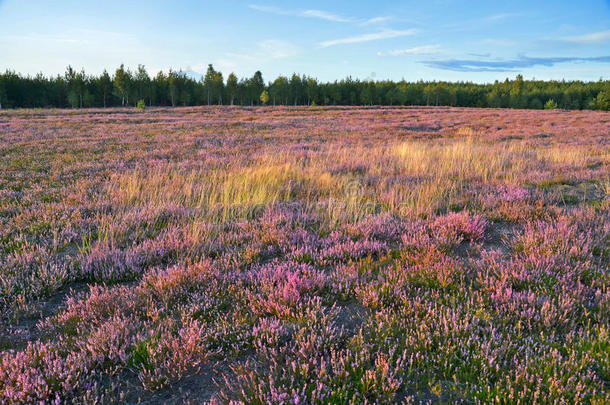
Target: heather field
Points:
(304, 255)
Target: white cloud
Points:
(319, 14)
(595, 37)
(323, 15)
(268, 9)
(376, 20)
(385, 34)
(418, 50)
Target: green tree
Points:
(218, 86)
(257, 85)
(428, 92)
(366, 95)
(311, 90)
(122, 84)
(602, 101)
(208, 82)
(296, 88)
(76, 86)
(280, 90)
(104, 84)
(518, 98)
(243, 90)
(2, 90)
(159, 91)
(142, 84)
(232, 87)
(172, 84)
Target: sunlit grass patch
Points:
(221, 195)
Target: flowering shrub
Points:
(282, 286)
(458, 227)
(166, 356)
(304, 255)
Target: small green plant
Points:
(141, 105)
(550, 105)
(264, 97)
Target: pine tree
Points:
(232, 87)
(208, 82)
(105, 86)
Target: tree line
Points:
(125, 87)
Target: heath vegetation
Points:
(291, 255)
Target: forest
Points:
(77, 89)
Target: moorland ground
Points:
(297, 255)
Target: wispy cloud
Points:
(323, 15)
(510, 65)
(480, 55)
(501, 16)
(418, 50)
(593, 38)
(257, 55)
(320, 14)
(375, 36)
(376, 20)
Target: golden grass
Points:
(413, 178)
(221, 195)
(462, 161)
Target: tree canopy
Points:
(77, 89)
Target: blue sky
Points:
(437, 39)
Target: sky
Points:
(479, 41)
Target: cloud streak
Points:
(375, 36)
(319, 14)
(376, 20)
(511, 65)
(501, 16)
(418, 50)
(593, 38)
